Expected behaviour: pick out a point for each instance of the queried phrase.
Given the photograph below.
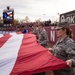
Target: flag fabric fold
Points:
(20, 54)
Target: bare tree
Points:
(27, 19)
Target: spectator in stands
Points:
(64, 48)
(25, 30)
(42, 35)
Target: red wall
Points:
(73, 29)
(52, 35)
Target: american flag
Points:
(20, 54)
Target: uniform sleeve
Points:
(45, 36)
(70, 50)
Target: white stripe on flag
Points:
(9, 53)
(1, 35)
(12, 33)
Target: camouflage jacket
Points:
(35, 31)
(65, 49)
(43, 38)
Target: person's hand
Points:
(49, 48)
(69, 62)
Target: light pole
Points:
(58, 17)
(44, 16)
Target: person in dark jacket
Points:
(64, 48)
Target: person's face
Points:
(40, 27)
(60, 32)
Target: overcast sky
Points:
(35, 9)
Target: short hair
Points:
(41, 24)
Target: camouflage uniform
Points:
(65, 49)
(35, 30)
(43, 38)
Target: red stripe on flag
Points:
(4, 39)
